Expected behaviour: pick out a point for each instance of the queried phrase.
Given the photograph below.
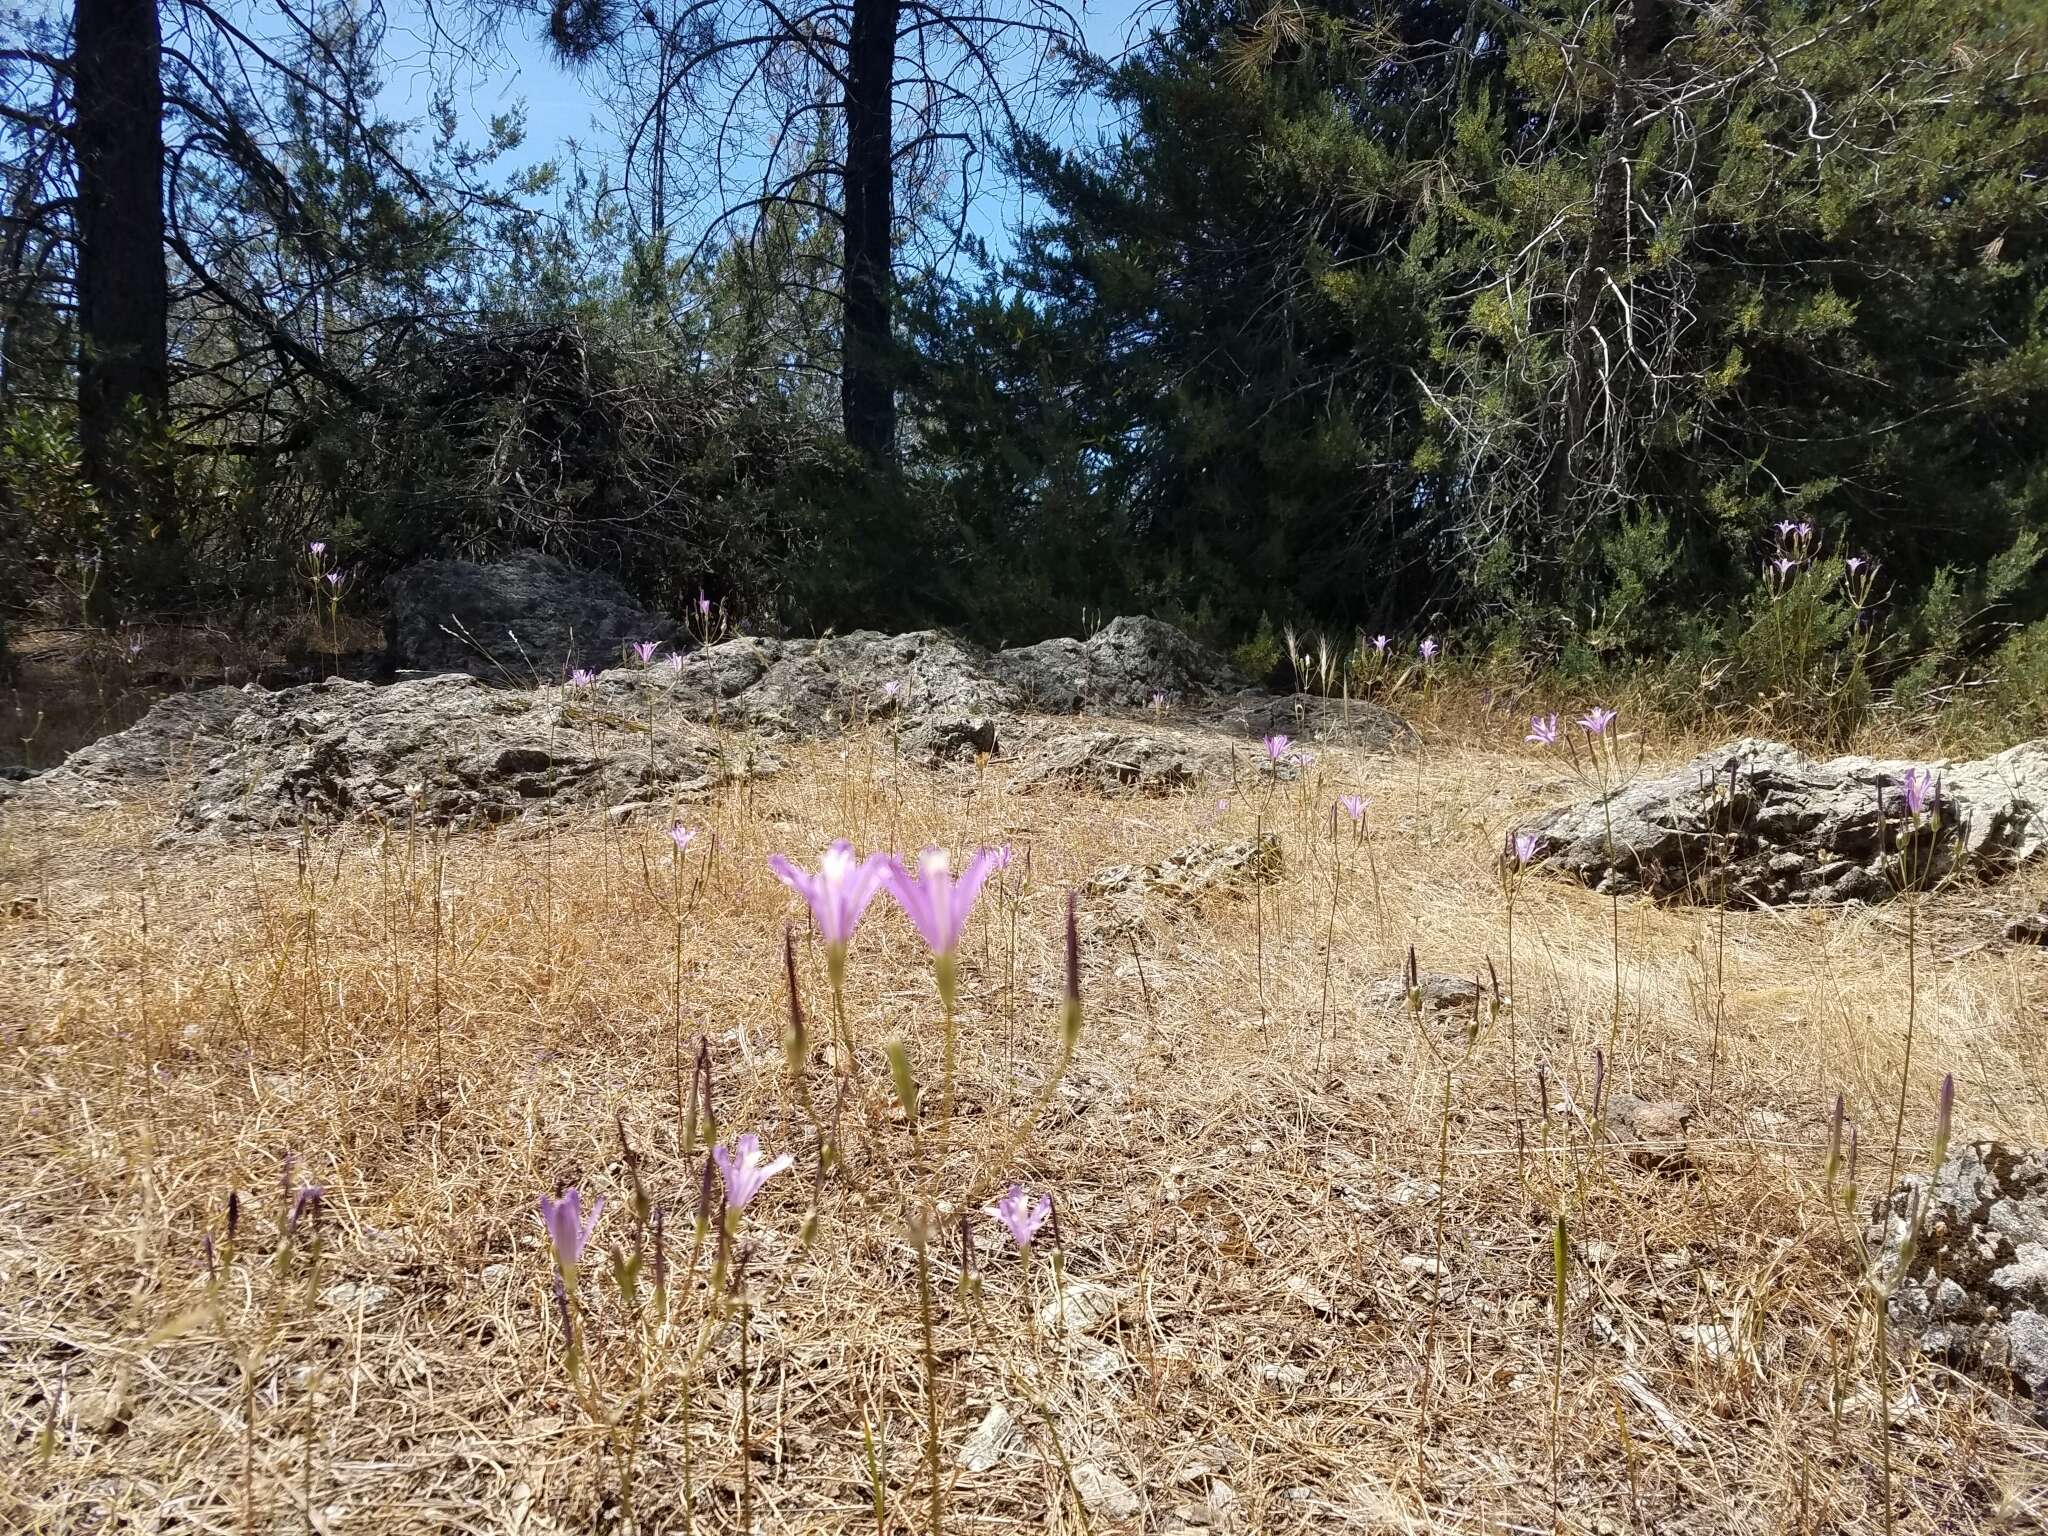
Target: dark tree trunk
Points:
(123, 292)
(867, 394)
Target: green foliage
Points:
(1527, 328)
(1259, 657)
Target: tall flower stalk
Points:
(838, 894)
(1914, 862)
(1520, 852)
(939, 905)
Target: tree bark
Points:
(123, 290)
(867, 392)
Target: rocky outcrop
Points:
(528, 618)
(1974, 1292)
(175, 739)
(1127, 664)
(444, 750)
(1195, 871)
(1121, 761)
(451, 748)
(1758, 822)
(1311, 717)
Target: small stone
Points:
(984, 1447)
(1419, 1264)
(1081, 1307)
(351, 1295)
(1105, 1494)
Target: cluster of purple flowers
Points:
(937, 902)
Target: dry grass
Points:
(1259, 1188)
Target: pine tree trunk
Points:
(123, 291)
(866, 388)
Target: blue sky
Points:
(516, 67)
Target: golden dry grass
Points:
(1257, 1186)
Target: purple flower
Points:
(1596, 721)
(568, 1229)
(645, 649)
(305, 1206)
(838, 893)
(1017, 1213)
(1920, 788)
(1785, 529)
(743, 1171)
(317, 547)
(703, 603)
(1379, 644)
(1276, 748)
(1352, 806)
(999, 858)
(1783, 566)
(1304, 758)
(1222, 806)
(1525, 848)
(681, 836)
(673, 661)
(1427, 650)
(932, 899)
(1159, 698)
(582, 677)
(1802, 531)
(334, 578)
(1542, 730)
(892, 688)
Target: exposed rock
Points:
(983, 1448)
(2028, 928)
(1327, 722)
(1440, 993)
(629, 736)
(1650, 1131)
(940, 739)
(1121, 666)
(524, 619)
(1796, 830)
(1120, 760)
(446, 749)
(1975, 1293)
(1195, 871)
(1081, 1307)
(1104, 1494)
(176, 738)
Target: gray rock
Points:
(1651, 1131)
(1121, 761)
(1797, 830)
(527, 618)
(1195, 871)
(1121, 666)
(444, 750)
(179, 735)
(1975, 1291)
(248, 760)
(945, 738)
(1327, 722)
(2028, 928)
(1440, 993)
